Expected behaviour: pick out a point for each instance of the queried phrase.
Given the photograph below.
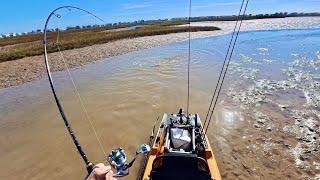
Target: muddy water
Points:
(124, 95)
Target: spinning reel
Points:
(117, 158)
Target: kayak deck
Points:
(181, 151)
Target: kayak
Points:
(180, 150)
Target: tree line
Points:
(172, 21)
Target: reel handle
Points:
(117, 159)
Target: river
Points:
(273, 82)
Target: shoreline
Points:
(20, 71)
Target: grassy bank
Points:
(30, 45)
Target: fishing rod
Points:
(117, 158)
(88, 163)
(189, 57)
(225, 65)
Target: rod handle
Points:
(90, 167)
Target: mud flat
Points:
(30, 68)
(285, 112)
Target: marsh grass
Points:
(31, 45)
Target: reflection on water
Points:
(125, 94)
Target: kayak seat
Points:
(180, 166)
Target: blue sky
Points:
(27, 15)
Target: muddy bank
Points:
(19, 71)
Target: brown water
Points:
(123, 96)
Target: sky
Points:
(27, 15)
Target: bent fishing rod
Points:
(117, 158)
(89, 164)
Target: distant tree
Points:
(70, 28)
(294, 14)
(108, 25)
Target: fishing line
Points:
(89, 165)
(224, 62)
(228, 62)
(84, 109)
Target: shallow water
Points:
(124, 95)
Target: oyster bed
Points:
(294, 96)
